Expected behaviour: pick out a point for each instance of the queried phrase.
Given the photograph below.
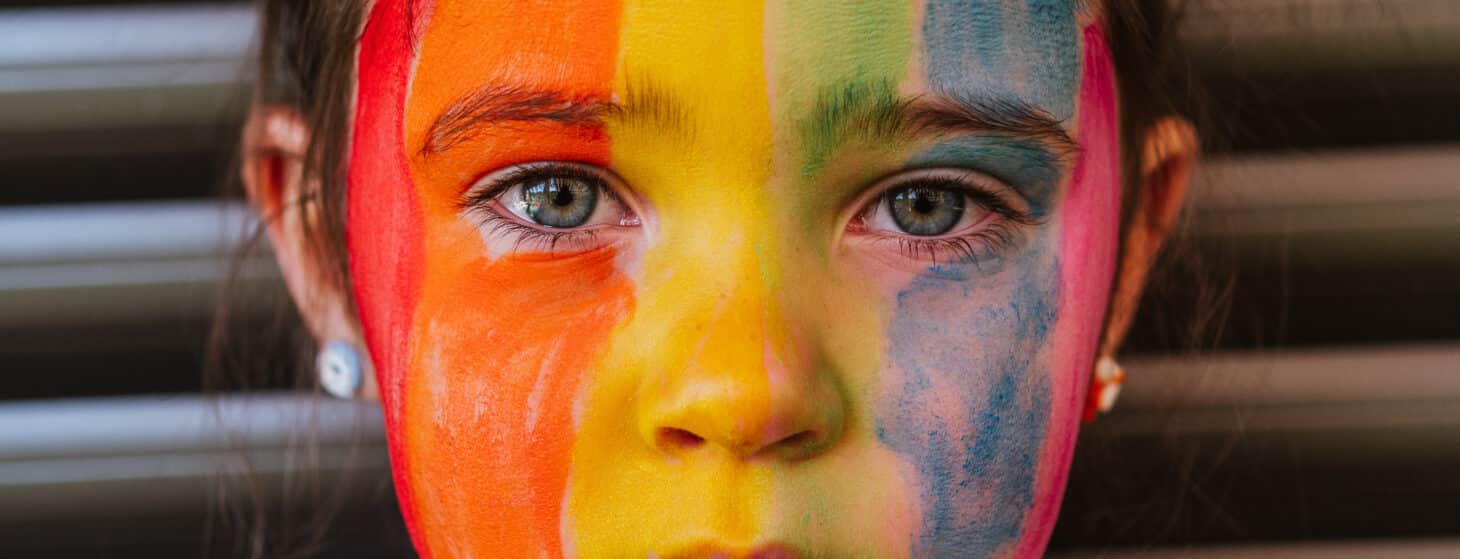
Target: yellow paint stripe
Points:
(704, 282)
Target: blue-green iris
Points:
(925, 211)
(560, 202)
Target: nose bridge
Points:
(719, 389)
(746, 380)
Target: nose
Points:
(752, 387)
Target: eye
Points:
(555, 196)
(940, 215)
(550, 206)
(933, 203)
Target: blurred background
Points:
(1314, 413)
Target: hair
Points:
(306, 62)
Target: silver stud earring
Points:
(339, 368)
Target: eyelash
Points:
(483, 203)
(969, 248)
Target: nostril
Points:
(672, 438)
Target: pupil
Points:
(563, 196)
(923, 204)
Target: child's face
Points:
(733, 279)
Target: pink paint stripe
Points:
(1088, 247)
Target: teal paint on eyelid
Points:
(1027, 167)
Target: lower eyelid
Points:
(989, 238)
(966, 249)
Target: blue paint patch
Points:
(979, 48)
(1026, 166)
(965, 43)
(979, 343)
(949, 272)
(964, 30)
(1054, 42)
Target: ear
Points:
(276, 139)
(1168, 154)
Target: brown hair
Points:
(307, 62)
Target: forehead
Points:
(792, 53)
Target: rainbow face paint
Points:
(730, 343)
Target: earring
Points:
(1104, 388)
(338, 366)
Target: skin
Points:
(749, 367)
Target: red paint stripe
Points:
(383, 217)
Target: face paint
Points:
(973, 416)
(854, 54)
(992, 425)
(748, 368)
(384, 219)
(698, 346)
(1089, 243)
(1027, 167)
(478, 421)
(1013, 50)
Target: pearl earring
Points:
(1104, 388)
(338, 366)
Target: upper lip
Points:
(707, 550)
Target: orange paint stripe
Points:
(499, 348)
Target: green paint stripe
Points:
(833, 57)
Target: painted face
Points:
(732, 279)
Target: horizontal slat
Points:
(1352, 35)
(115, 263)
(51, 429)
(89, 35)
(104, 68)
(83, 233)
(1392, 549)
(1296, 377)
(1387, 192)
(1418, 175)
(158, 455)
(1340, 405)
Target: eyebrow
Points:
(869, 111)
(506, 106)
(872, 111)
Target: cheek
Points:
(480, 360)
(968, 365)
(500, 350)
(986, 374)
